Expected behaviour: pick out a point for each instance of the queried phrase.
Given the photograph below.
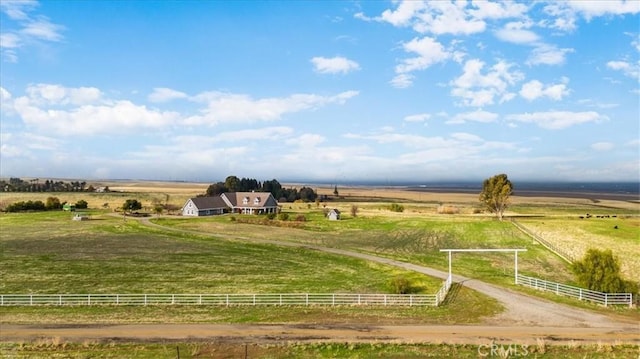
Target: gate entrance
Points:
(515, 251)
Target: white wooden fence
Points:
(605, 299)
(221, 299)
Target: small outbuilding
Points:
(333, 215)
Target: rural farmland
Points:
(48, 253)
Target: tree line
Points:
(51, 204)
(15, 184)
(235, 184)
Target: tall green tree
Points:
(232, 183)
(495, 194)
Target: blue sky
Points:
(329, 91)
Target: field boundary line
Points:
(560, 253)
(601, 298)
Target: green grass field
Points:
(57, 348)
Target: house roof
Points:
(203, 203)
(250, 199)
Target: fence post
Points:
(557, 289)
(410, 300)
(280, 299)
(60, 300)
(227, 300)
(307, 298)
(385, 300)
(580, 291)
(200, 299)
(145, 299)
(630, 300)
(333, 299)
(31, 299)
(358, 299)
(254, 299)
(605, 299)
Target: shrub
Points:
(396, 207)
(82, 204)
(271, 216)
(232, 218)
(354, 210)
(301, 218)
(400, 285)
(283, 216)
(599, 270)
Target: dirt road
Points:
(264, 334)
(524, 320)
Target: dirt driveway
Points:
(524, 320)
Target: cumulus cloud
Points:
(535, 89)
(163, 94)
(557, 120)
(50, 94)
(447, 17)
(478, 89)
(224, 107)
(429, 52)
(334, 65)
(517, 33)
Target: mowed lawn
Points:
(49, 253)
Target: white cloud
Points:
(478, 89)
(545, 54)
(595, 8)
(306, 140)
(420, 117)
(334, 65)
(49, 94)
(627, 68)
(42, 29)
(429, 52)
(18, 9)
(10, 40)
(535, 89)
(447, 17)
(163, 94)
(402, 81)
(227, 107)
(474, 116)
(79, 118)
(26, 28)
(517, 33)
(498, 10)
(557, 120)
(602, 146)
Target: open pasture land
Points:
(48, 253)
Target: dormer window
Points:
(245, 200)
(256, 200)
